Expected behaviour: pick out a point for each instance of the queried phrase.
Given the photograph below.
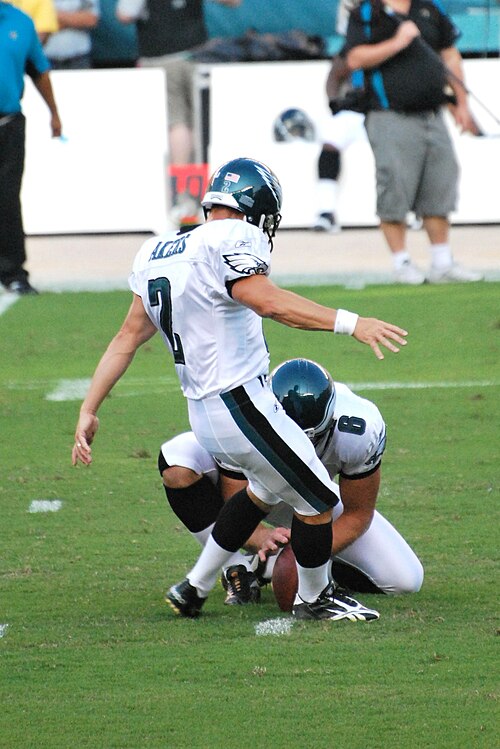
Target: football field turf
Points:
(90, 655)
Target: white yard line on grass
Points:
(68, 390)
(76, 389)
(421, 385)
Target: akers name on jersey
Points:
(184, 281)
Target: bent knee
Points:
(179, 477)
(408, 580)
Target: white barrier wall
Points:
(246, 98)
(109, 173)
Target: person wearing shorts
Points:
(408, 56)
(166, 32)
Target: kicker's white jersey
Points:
(184, 280)
(355, 445)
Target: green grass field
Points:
(90, 655)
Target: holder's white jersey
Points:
(355, 445)
(380, 553)
(184, 280)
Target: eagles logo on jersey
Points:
(246, 264)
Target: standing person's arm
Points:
(260, 294)
(337, 75)
(77, 19)
(136, 329)
(452, 59)
(44, 87)
(366, 56)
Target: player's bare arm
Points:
(137, 328)
(268, 300)
(359, 497)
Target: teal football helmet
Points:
(250, 187)
(307, 393)
(292, 125)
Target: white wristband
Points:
(345, 322)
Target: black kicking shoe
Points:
(184, 600)
(333, 603)
(21, 287)
(242, 586)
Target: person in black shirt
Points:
(412, 68)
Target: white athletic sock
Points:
(205, 572)
(312, 581)
(203, 536)
(441, 256)
(400, 258)
(326, 196)
(237, 558)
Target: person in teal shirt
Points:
(20, 53)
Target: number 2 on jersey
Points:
(159, 289)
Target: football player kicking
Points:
(349, 436)
(206, 292)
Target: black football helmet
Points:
(293, 124)
(250, 187)
(307, 393)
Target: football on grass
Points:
(285, 579)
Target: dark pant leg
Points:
(12, 247)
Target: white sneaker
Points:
(326, 222)
(454, 273)
(409, 274)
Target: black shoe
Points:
(326, 222)
(21, 287)
(242, 586)
(333, 603)
(184, 599)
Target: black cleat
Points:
(21, 287)
(333, 603)
(184, 600)
(242, 586)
